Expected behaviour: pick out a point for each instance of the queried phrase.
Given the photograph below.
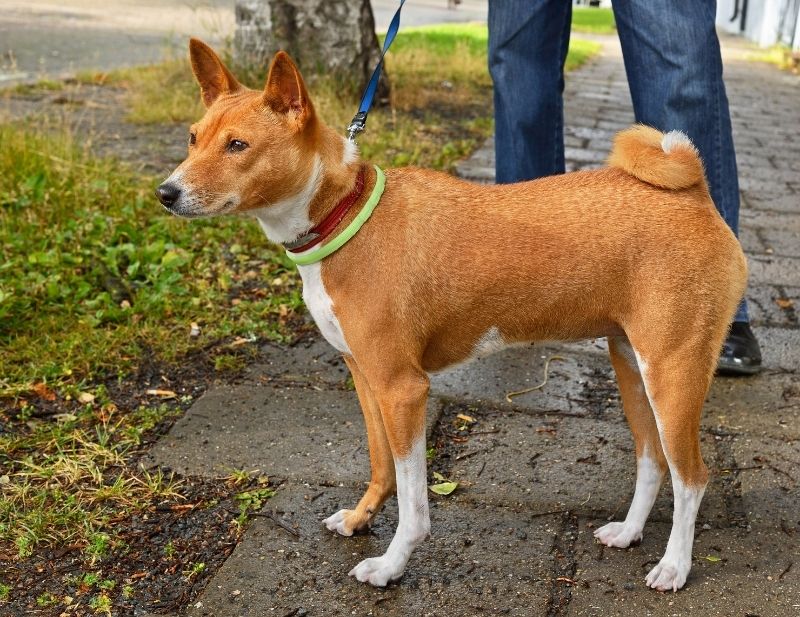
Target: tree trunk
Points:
(331, 36)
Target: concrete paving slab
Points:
(750, 577)
(780, 348)
(782, 241)
(553, 462)
(790, 223)
(768, 305)
(311, 361)
(478, 560)
(773, 270)
(789, 203)
(489, 380)
(750, 241)
(303, 434)
(766, 405)
(769, 482)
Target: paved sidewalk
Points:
(537, 477)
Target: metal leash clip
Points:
(357, 125)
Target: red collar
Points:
(321, 231)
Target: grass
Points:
(593, 20)
(94, 278)
(92, 274)
(68, 480)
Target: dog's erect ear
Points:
(285, 92)
(213, 76)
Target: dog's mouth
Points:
(194, 210)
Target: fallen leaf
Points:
(712, 558)
(443, 488)
(438, 477)
(162, 393)
(65, 417)
(466, 418)
(4, 479)
(784, 303)
(42, 391)
(86, 398)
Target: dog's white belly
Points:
(320, 306)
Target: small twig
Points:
(733, 469)
(282, 524)
(548, 513)
(785, 571)
(541, 385)
(461, 457)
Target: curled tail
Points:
(667, 160)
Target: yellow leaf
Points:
(443, 488)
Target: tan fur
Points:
(635, 250)
(638, 151)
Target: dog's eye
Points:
(236, 145)
(192, 139)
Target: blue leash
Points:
(359, 121)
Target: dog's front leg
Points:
(402, 405)
(382, 482)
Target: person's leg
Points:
(674, 67)
(528, 41)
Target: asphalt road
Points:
(45, 38)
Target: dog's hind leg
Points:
(382, 482)
(651, 465)
(401, 394)
(676, 384)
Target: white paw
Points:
(377, 571)
(336, 522)
(667, 575)
(620, 535)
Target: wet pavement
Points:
(538, 475)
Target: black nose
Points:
(168, 194)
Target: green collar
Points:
(321, 252)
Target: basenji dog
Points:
(410, 271)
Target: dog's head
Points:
(251, 148)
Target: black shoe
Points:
(741, 354)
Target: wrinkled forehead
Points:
(235, 111)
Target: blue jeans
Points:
(674, 69)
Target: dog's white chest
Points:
(320, 306)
